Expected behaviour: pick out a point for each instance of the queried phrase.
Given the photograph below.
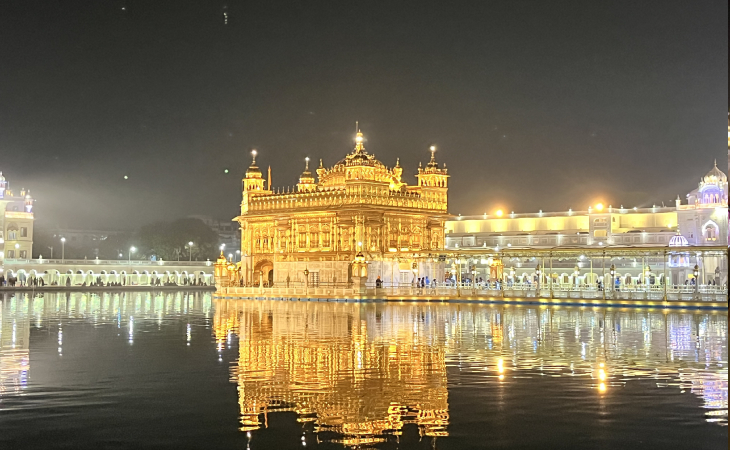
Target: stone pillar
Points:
(359, 275)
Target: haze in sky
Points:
(532, 105)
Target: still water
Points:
(183, 370)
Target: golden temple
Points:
(312, 233)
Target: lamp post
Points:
(306, 281)
(63, 249)
(697, 282)
(132, 249)
(613, 281)
(537, 290)
(190, 250)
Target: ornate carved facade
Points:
(358, 204)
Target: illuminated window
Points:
(24, 254)
(710, 234)
(11, 254)
(23, 232)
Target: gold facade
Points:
(358, 204)
(336, 365)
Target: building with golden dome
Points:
(312, 233)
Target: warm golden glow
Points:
(357, 204)
(499, 213)
(599, 206)
(339, 374)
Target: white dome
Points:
(678, 241)
(715, 175)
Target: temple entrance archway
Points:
(263, 270)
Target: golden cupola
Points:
(253, 181)
(306, 179)
(432, 176)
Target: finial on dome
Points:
(253, 154)
(397, 162)
(306, 163)
(432, 164)
(321, 165)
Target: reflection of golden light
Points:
(339, 363)
(500, 365)
(602, 387)
(501, 377)
(602, 375)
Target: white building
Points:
(703, 220)
(16, 226)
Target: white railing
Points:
(492, 290)
(101, 262)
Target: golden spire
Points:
(433, 162)
(253, 170)
(359, 147)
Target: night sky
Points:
(533, 105)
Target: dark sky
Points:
(533, 105)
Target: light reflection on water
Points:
(361, 374)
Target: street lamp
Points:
(63, 249)
(697, 281)
(190, 250)
(129, 276)
(306, 280)
(537, 271)
(613, 281)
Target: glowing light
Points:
(358, 139)
(432, 148)
(499, 213)
(126, 177)
(599, 207)
(225, 171)
(602, 387)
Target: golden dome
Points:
(253, 169)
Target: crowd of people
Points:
(22, 281)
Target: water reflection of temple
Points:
(351, 369)
(365, 370)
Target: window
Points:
(406, 277)
(12, 234)
(314, 279)
(11, 254)
(23, 232)
(710, 234)
(24, 254)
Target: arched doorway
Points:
(263, 270)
